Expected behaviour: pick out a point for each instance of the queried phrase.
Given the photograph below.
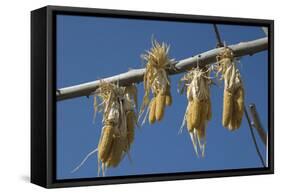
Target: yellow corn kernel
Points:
(105, 142)
(152, 107)
(160, 106)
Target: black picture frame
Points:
(43, 96)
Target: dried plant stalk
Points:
(197, 84)
(156, 81)
(233, 100)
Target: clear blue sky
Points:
(90, 48)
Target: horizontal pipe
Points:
(136, 75)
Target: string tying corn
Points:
(233, 100)
(198, 112)
(157, 82)
(118, 105)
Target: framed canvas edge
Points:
(51, 181)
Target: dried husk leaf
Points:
(238, 108)
(169, 99)
(197, 83)
(133, 92)
(227, 108)
(131, 122)
(156, 81)
(209, 109)
(233, 90)
(201, 131)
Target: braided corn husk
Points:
(233, 100)
(118, 105)
(198, 112)
(156, 81)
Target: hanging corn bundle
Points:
(233, 100)
(118, 105)
(119, 119)
(198, 112)
(157, 81)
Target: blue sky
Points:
(91, 48)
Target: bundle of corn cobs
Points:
(118, 105)
(198, 112)
(233, 100)
(157, 81)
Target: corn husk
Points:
(233, 101)
(169, 98)
(156, 82)
(227, 108)
(209, 109)
(131, 123)
(197, 85)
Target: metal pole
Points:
(253, 137)
(257, 124)
(136, 76)
(219, 42)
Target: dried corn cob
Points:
(160, 102)
(197, 84)
(116, 152)
(156, 81)
(233, 90)
(105, 142)
(152, 106)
